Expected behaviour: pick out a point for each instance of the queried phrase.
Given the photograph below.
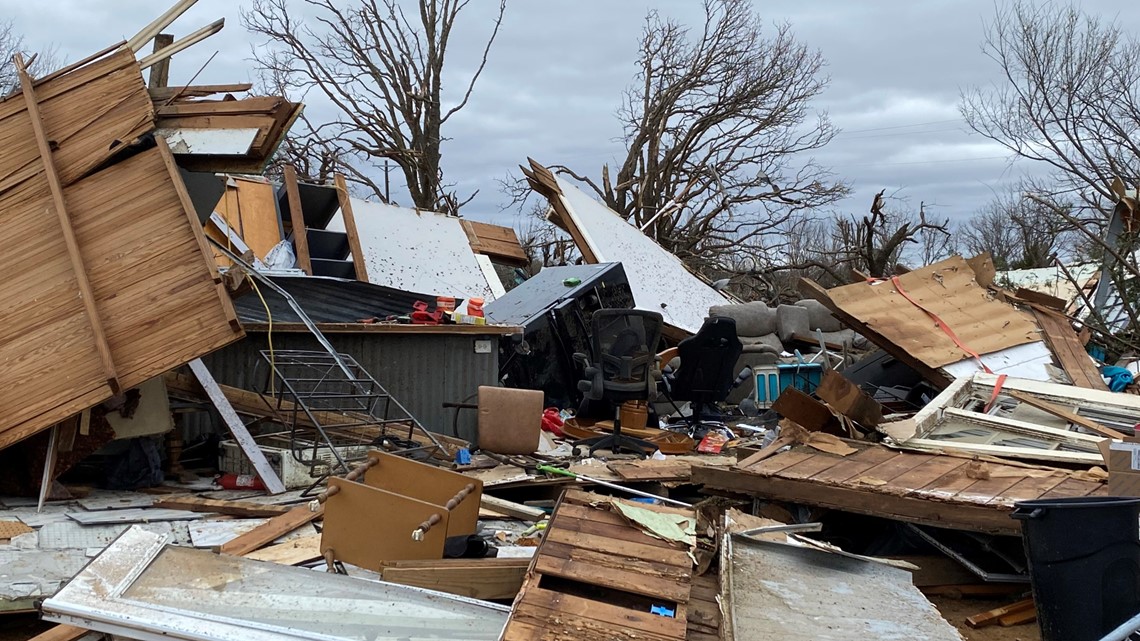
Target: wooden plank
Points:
(862, 500)
(651, 570)
(300, 232)
(855, 464)
(59, 205)
(1073, 487)
(992, 617)
(244, 439)
(300, 550)
(1061, 412)
(474, 578)
(846, 398)
(560, 604)
(924, 474)
(512, 509)
(807, 412)
(620, 530)
(615, 578)
(1028, 489)
(160, 73)
(618, 547)
(781, 461)
(887, 470)
(1069, 350)
(986, 490)
(273, 529)
(163, 94)
(246, 509)
(810, 466)
(61, 632)
(350, 228)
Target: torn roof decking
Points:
(928, 489)
(660, 281)
(901, 324)
(596, 574)
(155, 301)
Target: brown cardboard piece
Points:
(1122, 458)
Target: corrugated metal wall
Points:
(420, 371)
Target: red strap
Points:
(997, 390)
(941, 325)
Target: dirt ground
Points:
(955, 610)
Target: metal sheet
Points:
(143, 589)
(422, 371)
(781, 592)
(326, 300)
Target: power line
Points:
(931, 162)
(917, 124)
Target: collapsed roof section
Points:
(659, 280)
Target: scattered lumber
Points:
(1012, 614)
(1061, 412)
(301, 550)
(275, 528)
(512, 509)
(245, 509)
(61, 632)
(476, 578)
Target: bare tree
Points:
(381, 70)
(1019, 232)
(875, 244)
(12, 43)
(717, 128)
(1069, 99)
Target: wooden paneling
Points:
(249, 207)
(498, 242)
(151, 286)
(938, 490)
(605, 557)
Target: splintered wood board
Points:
(158, 299)
(928, 489)
(949, 290)
(475, 578)
(611, 560)
(249, 207)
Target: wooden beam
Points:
(995, 616)
(1061, 412)
(275, 528)
(244, 509)
(237, 428)
(300, 232)
(139, 40)
(474, 578)
(1068, 349)
(543, 181)
(510, 508)
(163, 94)
(160, 72)
(85, 292)
(194, 38)
(61, 632)
(975, 518)
(350, 228)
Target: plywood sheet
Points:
(249, 207)
(154, 292)
(948, 290)
(659, 280)
(419, 251)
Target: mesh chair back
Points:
(625, 344)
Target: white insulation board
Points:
(418, 251)
(659, 280)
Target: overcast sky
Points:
(556, 74)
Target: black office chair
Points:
(624, 368)
(708, 369)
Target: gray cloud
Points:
(558, 70)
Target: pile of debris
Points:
(249, 407)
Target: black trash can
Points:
(1084, 563)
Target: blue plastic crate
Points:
(773, 379)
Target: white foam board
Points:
(659, 280)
